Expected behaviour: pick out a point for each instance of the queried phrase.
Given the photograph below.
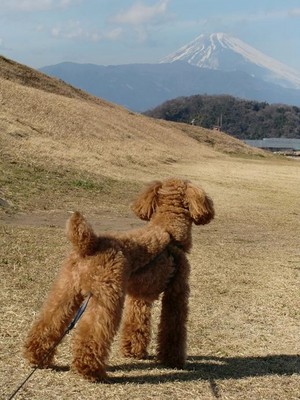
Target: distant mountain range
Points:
(220, 51)
(217, 64)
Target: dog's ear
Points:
(145, 204)
(200, 205)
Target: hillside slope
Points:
(38, 110)
(50, 128)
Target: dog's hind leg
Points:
(57, 312)
(99, 323)
(172, 333)
(136, 329)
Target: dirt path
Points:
(57, 219)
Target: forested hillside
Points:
(240, 118)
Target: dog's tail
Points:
(81, 234)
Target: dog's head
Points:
(176, 196)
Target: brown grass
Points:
(59, 153)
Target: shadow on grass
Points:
(198, 368)
(213, 368)
(206, 368)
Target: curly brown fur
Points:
(175, 204)
(109, 266)
(100, 265)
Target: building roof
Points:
(275, 143)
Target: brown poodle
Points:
(177, 204)
(108, 266)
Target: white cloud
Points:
(140, 13)
(259, 16)
(34, 5)
(113, 34)
(74, 30)
(3, 45)
(141, 19)
(295, 12)
(273, 15)
(70, 30)
(55, 31)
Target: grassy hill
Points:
(53, 134)
(60, 150)
(243, 119)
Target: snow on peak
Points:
(225, 52)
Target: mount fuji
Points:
(220, 51)
(215, 64)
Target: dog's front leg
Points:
(144, 287)
(172, 333)
(56, 314)
(136, 329)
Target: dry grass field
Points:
(61, 150)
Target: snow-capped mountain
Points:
(220, 51)
(227, 66)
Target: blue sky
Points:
(46, 32)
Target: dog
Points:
(176, 204)
(141, 263)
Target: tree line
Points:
(243, 119)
